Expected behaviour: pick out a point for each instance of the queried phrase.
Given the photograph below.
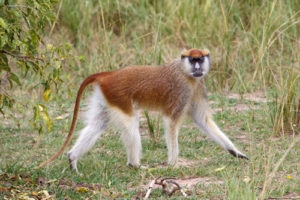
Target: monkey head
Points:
(195, 62)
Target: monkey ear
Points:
(205, 52)
(183, 51)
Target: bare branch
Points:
(20, 6)
(27, 57)
(164, 184)
(178, 188)
(149, 189)
(4, 93)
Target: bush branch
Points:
(24, 57)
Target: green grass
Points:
(106, 162)
(254, 46)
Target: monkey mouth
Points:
(197, 74)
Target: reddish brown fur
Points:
(195, 53)
(155, 87)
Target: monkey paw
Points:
(237, 154)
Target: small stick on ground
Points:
(178, 187)
(164, 182)
(149, 189)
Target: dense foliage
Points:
(25, 55)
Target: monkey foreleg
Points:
(171, 133)
(213, 131)
(129, 124)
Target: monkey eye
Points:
(196, 59)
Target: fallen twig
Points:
(284, 197)
(179, 188)
(164, 183)
(149, 189)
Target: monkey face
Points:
(195, 62)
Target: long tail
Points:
(87, 81)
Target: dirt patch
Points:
(289, 195)
(182, 162)
(189, 125)
(237, 107)
(144, 130)
(70, 183)
(257, 96)
(242, 138)
(191, 182)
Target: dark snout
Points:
(196, 63)
(197, 73)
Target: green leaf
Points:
(41, 107)
(36, 113)
(55, 74)
(4, 63)
(26, 19)
(3, 59)
(4, 67)
(46, 94)
(3, 24)
(34, 37)
(15, 78)
(69, 92)
(10, 83)
(47, 119)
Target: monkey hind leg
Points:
(87, 138)
(97, 120)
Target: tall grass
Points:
(254, 44)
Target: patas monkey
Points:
(176, 90)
